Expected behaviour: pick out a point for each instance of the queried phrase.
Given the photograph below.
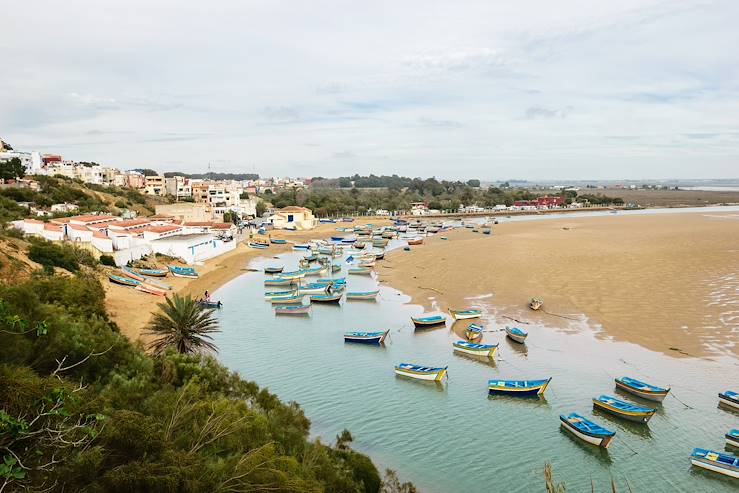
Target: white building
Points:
(192, 248)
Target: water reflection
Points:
(598, 453)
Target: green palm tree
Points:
(184, 325)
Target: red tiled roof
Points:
(100, 234)
(222, 225)
(79, 227)
(52, 227)
(33, 221)
(199, 223)
(294, 208)
(131, 222)
(162, 229)
(90, 218)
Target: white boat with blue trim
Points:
(428, 373)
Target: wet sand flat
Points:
(667, 282)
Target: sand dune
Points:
(666, 282)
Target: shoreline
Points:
(131, 310)
(661, 281)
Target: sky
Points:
(490, 89)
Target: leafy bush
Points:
(107, 260)
(63, 255)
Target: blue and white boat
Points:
(360, 270)
(338, 280)
(257, 245)
(623, 409)
(473, 332)
(186, 272)
(641, 389)
(302, 246)
(729, 399)
(326, 298)
(428, 321)
(486, 350)
(429, 373)
(586, 430)
(516, 334)
(270, 295)
(366, 337)
(362, 295)
(327, 221)
(290, 299)
(465, 314)
(277, 241)
(314, 288)
(518, 387)
(715, 461)
(279, 282)
(732, 438)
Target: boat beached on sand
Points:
(641, 389)
(429, 373)
(535, 303)
(186, 272)
(465, 314)
(473, 332)
(123, 281)
(623, 409)
(586, 430)
(518, 387)
(486, 350)
(715, 461)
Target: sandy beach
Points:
(131, 309)
(667, 282)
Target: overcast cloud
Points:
(489, 89)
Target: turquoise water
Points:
(453, 437)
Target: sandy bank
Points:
(661, 281)
(131, 309)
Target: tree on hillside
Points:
(147, 171)
(12, 169)
(184, 325)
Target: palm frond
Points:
(182, 324)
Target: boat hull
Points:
(429, 377)
(424, 324)
(598, 441)
(711, 465)
(522, 392)
(732, 440)
(457, 315)
(516, 337)
(635, 416)
(362, 296)
(485, 353)
(644, 394)
(357, 339)
(303, 310)
(727, 401)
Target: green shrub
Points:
(107, 260)
(49, 255)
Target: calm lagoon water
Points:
(453, 437)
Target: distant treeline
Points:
(214, 176)
(383, 181)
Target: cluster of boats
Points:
(146, 280)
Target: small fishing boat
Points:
(326, 298)
(187, 272)
(429, 373)
(348, 241)
(311, 258)
(465, 314)
(473, 332)
(428, 321)
(268, 296)
(415, 241)
(623, 409)
(290, 299)
(123, 281)
(729, 399)
(338, 280)
(362, 295)
(518, 387)
(535, 303)
(129, 272)
(715, 461)
(292, 310)
(486, 231)
(516, 334)
(327, 221)
(359, 245)
(277, 241)
(158, 284)
(314, 288)
(486, 350)
(209, 304)
(316, 271)
(303, 246)
(259, 246)
(586, 430)
(379, 255)
(732, 438)
(273, 270)
(641, 389)
(360, 270)
(291, 276)
(279, 282)
(149, 289)
(153, 272)
(366, 337)
(335, 268)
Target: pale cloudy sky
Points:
(493, 89)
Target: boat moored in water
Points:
(641, 389)
(279, 282)
(366, 337)
(473, 332)
(729, 399)
(465, 314)
(292, 310)
(362, 295)
(326, 298)
(516, 334)
(209, 304)
(428, 321)
(518, 387)
(273, 270)
(360, 270)
(732, 438)
(715, 461)
(586, 430)
(623, 409)
(486, 350)
(429, 373)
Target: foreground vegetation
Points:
(82, 409)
